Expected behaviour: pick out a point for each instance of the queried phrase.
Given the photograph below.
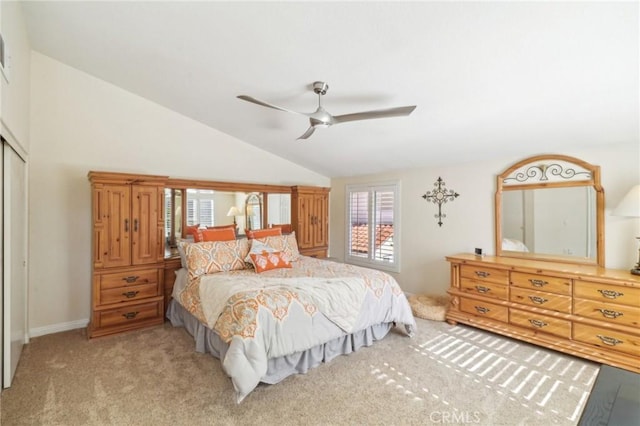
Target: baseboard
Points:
(57, 328)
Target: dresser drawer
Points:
(605, 338)
(489, 310)
(541, 282)
(489, 289)
(544, 323)
(541, 299)
(128, 278)
(129, 293)
(128, 314)
(606, 292)
(478, 273)
(610, 312)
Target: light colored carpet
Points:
(443, 375)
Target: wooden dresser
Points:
(128, 252)
(310, 219)
(586, 311)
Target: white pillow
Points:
(513, 245)
(258, 247)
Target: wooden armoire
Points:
(310, 219)
(128, 252)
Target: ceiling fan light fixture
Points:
(321, 118)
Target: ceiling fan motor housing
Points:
(320, 87)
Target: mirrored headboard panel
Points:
(211, 203)
(550, 207)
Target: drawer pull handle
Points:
(482, 274)
(610, 294)
(131, 279)
(482, 289)
(538, 323)
(538, 300)
(611, 341)
(481, 309)
(130, 315)
(130, 294)
(538, 283)
(610, 314)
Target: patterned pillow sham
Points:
(267, 261)
(284, 243)
(215, 256)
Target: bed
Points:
(267, 312)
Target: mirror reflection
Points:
(210, 207)
(253, 211)
(552, 221)
(550, 207)
(173, 216)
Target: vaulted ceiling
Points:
(488, 78)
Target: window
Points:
(372, 228)
(200, 207)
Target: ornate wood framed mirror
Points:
(550, 207)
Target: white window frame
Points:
(371, 188)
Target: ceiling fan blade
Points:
(380, 113)
(268, 105)
(308, 133)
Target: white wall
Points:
(14, 110)
(470, 219)
(80, 123)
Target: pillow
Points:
(261, 233)
(284, 243)
(258, 246)
(224, 234)
(195, 231)
(267, 261)
(182, 253)
(209, 257)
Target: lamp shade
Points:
(234, 211)
(630, 204)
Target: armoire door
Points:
(144, 226)
(115, 213)
(320, 220)
(14, 265)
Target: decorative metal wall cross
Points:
(440, 195)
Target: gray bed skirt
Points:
(207, 341)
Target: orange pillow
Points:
(261, 233)
(193, 230)
(267, 261)
(224, 234)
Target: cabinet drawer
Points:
(607, 292)
(541, 282)
(608, 339)
(497, 291)
(489, 310)
(541, 299)
(128, 314)
(129, 293)
(544, 323)
(480, 273)
(610, 312)
(317, 253)
(127, 278)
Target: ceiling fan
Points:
(321, 118)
